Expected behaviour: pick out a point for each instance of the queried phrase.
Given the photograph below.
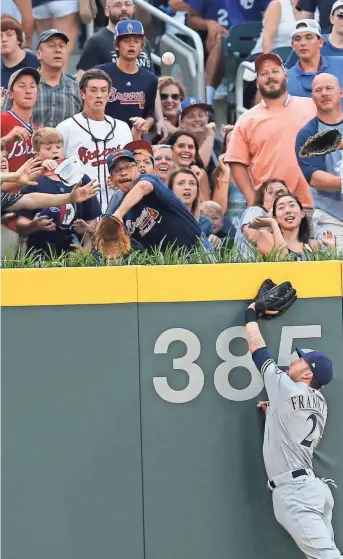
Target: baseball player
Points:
(295, 421)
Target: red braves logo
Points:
(95, 157)
(128, 97)
(21, 148)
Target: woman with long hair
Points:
(247, 235)
(290, 231)
(185, 185)
(172, 93)
(186, 156)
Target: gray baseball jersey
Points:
(295, 419)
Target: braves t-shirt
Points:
(242, 11)
(61, 239)
(132, 94)
(161, 219)
(20, 150)
(29, 61)
(99, 50)
(215, 10)
(92, 141)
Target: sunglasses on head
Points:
(174, 96)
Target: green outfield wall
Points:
(129, 420)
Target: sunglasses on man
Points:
(339, 15)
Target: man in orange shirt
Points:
(262, 144)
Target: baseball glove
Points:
(277, 298)
(322, 143)
(111, 239)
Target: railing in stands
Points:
(199, 89)
(239, 88)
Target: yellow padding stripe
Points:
(148, 284)
(68, 286)
(234, 282)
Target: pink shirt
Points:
(264, 140)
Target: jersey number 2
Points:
(313, 418)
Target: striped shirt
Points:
(7, 200)
(54, 104)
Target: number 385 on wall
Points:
(221, 379)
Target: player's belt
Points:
(285, 478)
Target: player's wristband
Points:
(250, 316)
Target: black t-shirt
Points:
(29, 61)
(61, 239)
(324, 7)
(132, 94)
(99, 49)
(160, 218)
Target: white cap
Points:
(337, 4)
(70, 171)
(307, 25)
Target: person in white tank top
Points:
(278, 24)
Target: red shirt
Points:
(19, 151)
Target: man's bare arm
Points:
(141, 189)
(254, 337)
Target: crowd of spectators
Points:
(116, 138)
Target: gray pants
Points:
(304, 508)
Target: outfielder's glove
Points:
(278, 298)
(111, 239)
(264, 288)
(322, 143)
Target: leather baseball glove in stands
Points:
(322, 143)
(111, 238)
(271, 297)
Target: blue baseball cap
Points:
(128, 27)
(320, 365)
(191, 102)
(119, 154)
(48, 33)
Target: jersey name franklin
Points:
(128, 97)
(309, 402)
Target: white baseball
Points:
(168, 58)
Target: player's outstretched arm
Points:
(254, 337)
(141, 189)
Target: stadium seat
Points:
(283, 52)
(236, 48)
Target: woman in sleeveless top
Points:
(278, 24)
(290, 233)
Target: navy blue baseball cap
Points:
(191, 102)
(48, 33)
(128, 27)
(119, 154)
(320, 365)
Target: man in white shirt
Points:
(91, 135)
